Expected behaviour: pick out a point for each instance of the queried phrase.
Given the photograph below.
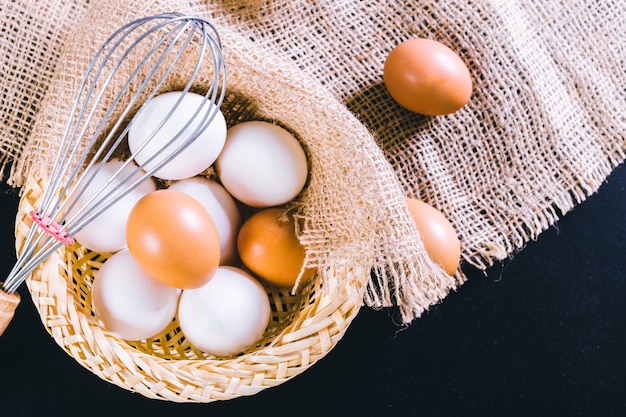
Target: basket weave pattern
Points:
(303, 329)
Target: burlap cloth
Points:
(543, 129)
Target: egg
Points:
(222, 208)
(262, 164)
(173, 238)
(268, 246)
(227, 315)
(128, 302)
(107, 232)
(163, 119)
(427, 77)
(438, 235)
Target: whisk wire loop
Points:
(82, 185)
(98, 125)
(120, 189)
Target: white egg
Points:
(222, 208)
(129, 303)
(154, 127)
(262, 164)
(107, 232)
(227, 315)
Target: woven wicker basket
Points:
(303, 328)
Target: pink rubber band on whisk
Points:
(52, 227)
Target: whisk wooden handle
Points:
(8, 304)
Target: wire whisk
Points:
(140, 60)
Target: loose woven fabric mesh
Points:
(31, 35)
(543, 129)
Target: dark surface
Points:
(542, 335)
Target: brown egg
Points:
(268, 246)
(173, 238)
(427, 77)
(438, 235)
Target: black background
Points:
(542, 334)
